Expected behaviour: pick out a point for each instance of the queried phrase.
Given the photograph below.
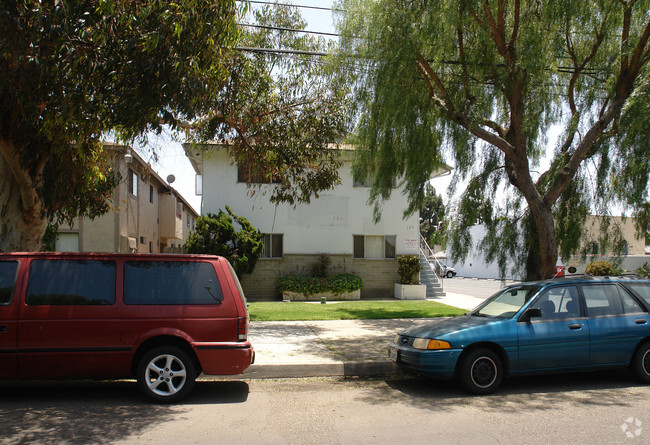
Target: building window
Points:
(374, 246)
(361, 181)
(188, 220)
(143, 240)
(272, 245)
(255, 175)
(151, 194)
(133, 183)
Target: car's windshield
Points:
(507, 302)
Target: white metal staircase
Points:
(428, 275)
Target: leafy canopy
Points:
(545, 102)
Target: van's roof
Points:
(111, 255)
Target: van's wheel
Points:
(641, 362)
(166, 374)
(480, 371)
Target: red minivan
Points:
(162, 319)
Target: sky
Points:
(169, 156)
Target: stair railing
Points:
(427, 251)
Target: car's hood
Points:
(438, 328)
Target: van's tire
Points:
(480, 371)
(641, 362)
(166, 374)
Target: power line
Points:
(278, 28)
(281, 51)
(320, 8)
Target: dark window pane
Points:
(71, 282)
(390, 246)
(358, 246)
(170, 282)
(267, 246)
(276, 246)
(8, 271)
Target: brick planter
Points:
(295, 296)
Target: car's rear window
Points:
(8, 271)
(171, 282)
(71, 282)
(643, 289)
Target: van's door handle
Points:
(640, 321)
(3, 328)
(575, 326)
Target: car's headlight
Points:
(396, 339)
(427, 343)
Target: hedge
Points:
(337, 284)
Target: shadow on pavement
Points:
(607, 388)
(94, 412)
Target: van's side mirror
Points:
(530, 313)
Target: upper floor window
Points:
(273, 245)
(255, 175)
(374, 246)
(361, 181)
(151, 194)
(133, 182)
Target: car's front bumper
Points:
(433, 363)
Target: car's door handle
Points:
(575, 326)
(3, 328)
(641, 321)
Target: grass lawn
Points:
(349, 310)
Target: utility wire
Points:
(278, 28)
(320, 8)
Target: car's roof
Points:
(108, 255)
(584, 278)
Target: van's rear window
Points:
(171, 282)
(7, 280)
(71, 282)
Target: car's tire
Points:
(450, 274)
(641, 362)
(166, 374)
(480, 371)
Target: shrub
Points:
(337, 284)
(409, 269)
(644, 270)
(600, 268)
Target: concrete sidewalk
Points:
(292, 349)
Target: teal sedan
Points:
(569, 324)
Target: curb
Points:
(338, 369)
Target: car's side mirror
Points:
(530, 313)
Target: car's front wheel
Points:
(481, 371)
(641, 362)
(450, 274)
(166, 374)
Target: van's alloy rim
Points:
(165, 375)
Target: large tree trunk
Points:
(544, 226)
(22, 221)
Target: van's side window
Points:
(7, 280)
(71, 282)
(171, 282)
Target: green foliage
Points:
(280, 114)
(644, 270)
(483, 83)
(336, 284)
(74, 71)
(50, 237)
(409, 269)
(600, 268)
(216, 235)
(433, 225)
(321, 267)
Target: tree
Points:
(432, 217)
(71, 71)
(489, 82)
(216, 235)
(283, 107)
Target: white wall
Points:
(324, 226)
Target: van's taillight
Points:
(242, 329)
